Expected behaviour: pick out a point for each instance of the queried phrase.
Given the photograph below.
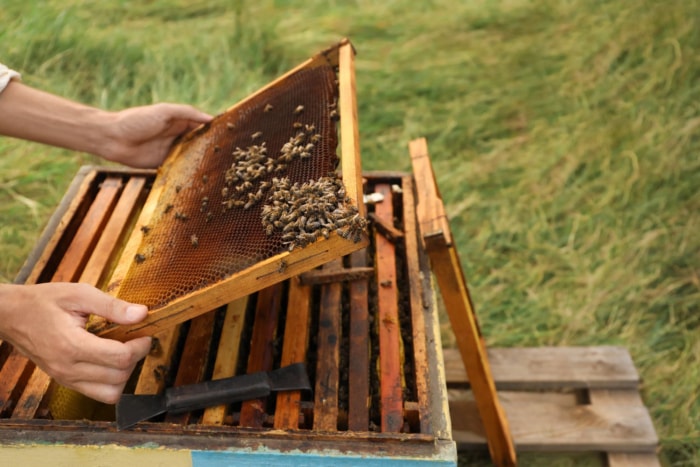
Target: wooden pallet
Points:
(560, 399)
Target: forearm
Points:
(38, 116)
(10, 298)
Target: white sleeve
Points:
(6, 75)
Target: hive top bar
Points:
(247, 200)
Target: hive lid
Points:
(248, 200)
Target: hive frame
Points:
(275, 268)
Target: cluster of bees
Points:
(305, 212)
(244, 180)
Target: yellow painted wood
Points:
(257, 277)
(89, 456)
(349, 130)
(227, 354)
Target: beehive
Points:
(364, 324)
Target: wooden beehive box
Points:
(365, 325)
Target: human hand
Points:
(46, 322)
(139, 136)
(142, 136)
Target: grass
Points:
(565, 137)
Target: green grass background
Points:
(564, 135)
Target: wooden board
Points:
(388, 320)
(418, 301)
(328, 356)
(296, 340)
(195, 353)
(515, 368)
(560, 416)
(227, 354)
(358, 364)
(253, 412)
(446, 266)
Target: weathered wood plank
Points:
(109, 239)
(623, 459)
(13, 377)
(158, 364)
(391, 391)
(517, 368)
(437, 239)
(261, 356)
(35, 395)
(324, 276)
(418, 323)
(194, 358)
(358, 362)
(296, 340)
(77, 198)
(328, 356)
(557, 422)
(85, 238)
(227, 354)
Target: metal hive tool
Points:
(227, 215)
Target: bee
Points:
(256, 135)
(139, 258)
(229, 125)
(205, 200)
(181, 216)
(268, 107)
(224, 192)
(334, 115)
(209, 217)
(178, 188)
(282, 267)
(310, 128)
(316, 138)
(167, 209)
(299, 109)
(145, 229)
(205, 179)
(297, 125)
(194, 240)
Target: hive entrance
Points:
(248, 200)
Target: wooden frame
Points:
(273, 269)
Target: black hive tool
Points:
(132, 409)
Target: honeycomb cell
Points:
(207, 226)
